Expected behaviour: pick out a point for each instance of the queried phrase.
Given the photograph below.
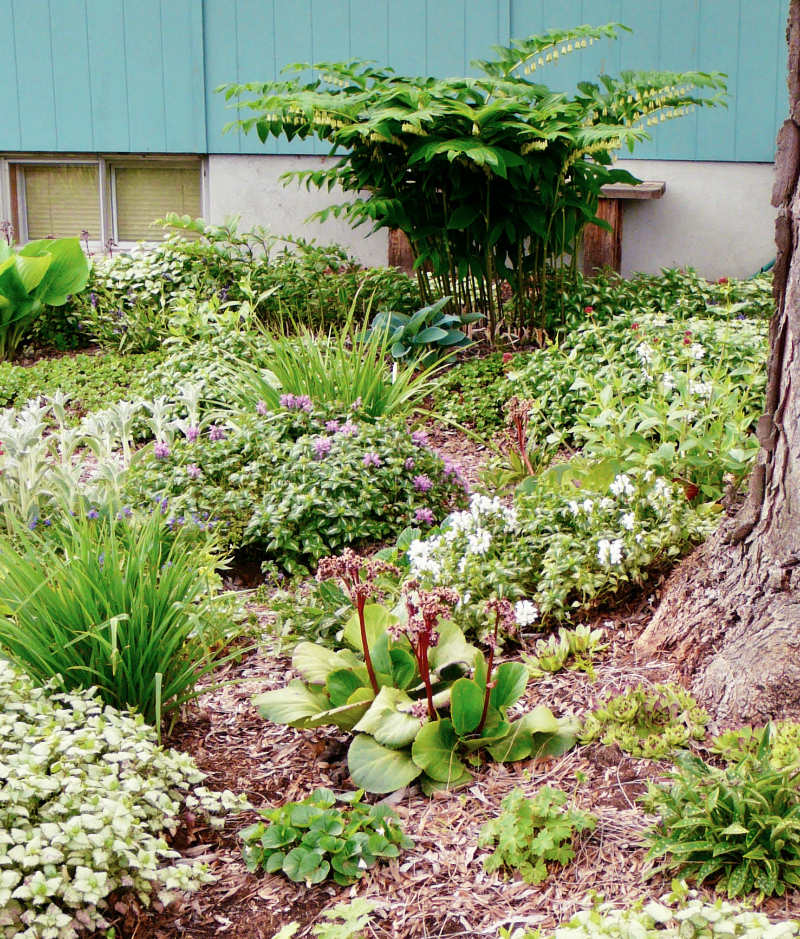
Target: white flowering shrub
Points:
(680, 915)
(679, 396)
(555, 553)
(86, 800)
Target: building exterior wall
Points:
(250, 186)
(715, 217)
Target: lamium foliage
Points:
(491, 178)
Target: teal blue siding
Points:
(139, 75)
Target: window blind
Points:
(62, 201)
(147, 193)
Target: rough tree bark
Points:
(731, 613)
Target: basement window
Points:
(108, 198)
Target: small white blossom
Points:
(609, 553)
(702, 389)
(696, 351)
(645, 353)
(525, 612)
(622, 486)
(627, 521)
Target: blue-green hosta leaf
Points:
(376, 768)
(434, 751)
(388, 719)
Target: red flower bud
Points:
(588, 309)
(507, 357)
(634, 325)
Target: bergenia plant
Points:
(357, 575)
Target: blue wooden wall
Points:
(139, 75)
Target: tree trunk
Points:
(731, 612)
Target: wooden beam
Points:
(654, 189)
(603, 248)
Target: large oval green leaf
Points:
(377, 768)
(434, 750)
(388, 719)
(510, 680)
(341, 684)
(466, 706)
(291, 705)
(315, 662)
(376, 620)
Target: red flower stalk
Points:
(425, 608)
(518, 410)
(357, 575)
(503, 614)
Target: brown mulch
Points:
(439, 887)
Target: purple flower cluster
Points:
(409, 464)
(349, 429)
(296, 403)
(193, 471)
(322, 447)
(192, 433)
(161, 449)
(332, 427)
(424, 515)
(423, 483)
(216, 433)
(452, 469)
(372, 459)
(261, 408)
(419, 438)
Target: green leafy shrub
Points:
(578, 645)
(133, 299)
(294, 486)
(491, 178)
(529, 833)
(649, 722)
(739, 826)
(126, 606)
(40, 274)
(87, 799)
(743, 743)
(680, 915)
(571, 540)
(311, 840)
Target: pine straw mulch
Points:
(439, 887)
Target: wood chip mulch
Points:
(438, 888)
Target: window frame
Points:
(12, 186)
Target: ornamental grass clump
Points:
(87, 802)
(123, 604)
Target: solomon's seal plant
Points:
(86, 800)
(738, 826)
(649, 722)
(311, 840)
(529, 833)
(492, 178)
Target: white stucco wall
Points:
(250, 186)
(715, 217)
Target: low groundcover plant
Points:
(311, 840)
(87, 799)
